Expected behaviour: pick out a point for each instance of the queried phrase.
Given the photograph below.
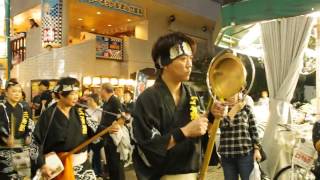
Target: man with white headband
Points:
(166, 125)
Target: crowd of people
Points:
(166, 126)
(57, 121)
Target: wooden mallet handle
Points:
(208, 153)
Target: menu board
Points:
(109, 48)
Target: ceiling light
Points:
(98, 12)
(109, 25)
(36, 15)
(18, 20)
(93, 29)
(80, 19)
(129, 20)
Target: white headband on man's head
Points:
(179, 50)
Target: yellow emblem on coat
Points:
(83, 121)
(193, 108)
(24, 122)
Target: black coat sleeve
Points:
(36, 150)
(4, 131)
(113, 106)
(146, 133)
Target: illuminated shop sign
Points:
(117, 6)
(51, 23)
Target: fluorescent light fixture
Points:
(86, 80)
(315, 14)
(130, 82)
(105, 80)
(96, 81)
(122, 82)
(113, 81)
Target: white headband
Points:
(64, 88)
(179, 50)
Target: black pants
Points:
(115, 165)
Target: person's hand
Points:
(35, 105)
(46, 172)
(218, 109)
(256, 155)
(121, 121)
(10, 141)
(115, 127)
(27, 141)
(196, 127)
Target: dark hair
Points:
(10, 83)
(107, 87)
(128, 92)
(46, 83)
(95, 98)
(33, 23)
(23, 95)
(161, 49)
(66, 81)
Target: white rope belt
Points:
(189, 176)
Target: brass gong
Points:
(226, 75)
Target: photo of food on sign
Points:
(109, 47)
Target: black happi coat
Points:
(23, 122)
(63, 134)
(156, 117)
(23, 126)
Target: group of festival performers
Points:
(168, 126)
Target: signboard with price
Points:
(303, 155)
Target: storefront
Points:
(110, 40)
(285, 41)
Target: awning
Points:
(250, 11)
